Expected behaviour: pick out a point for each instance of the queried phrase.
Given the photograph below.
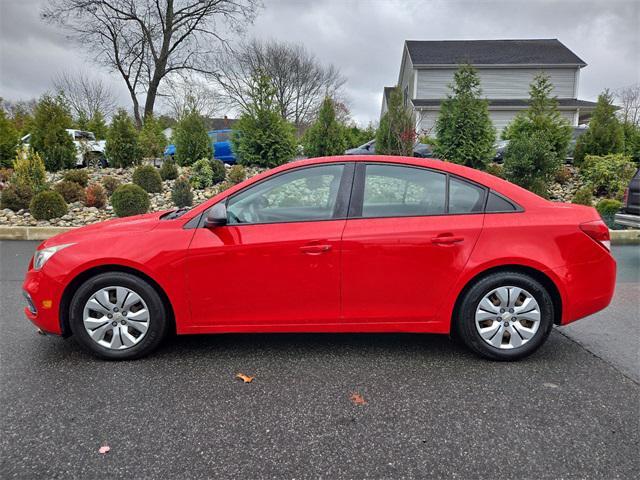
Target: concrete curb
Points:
(618, 237)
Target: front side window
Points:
(305, 194)
(397, 191)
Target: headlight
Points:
(41, 256)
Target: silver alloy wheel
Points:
(507, 317)
(116, 318)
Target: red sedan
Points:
(338, 244)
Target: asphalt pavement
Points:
(432, 409)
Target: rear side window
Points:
(465, 197)
(396, 191)
(497, 204)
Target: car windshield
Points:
(80, 135)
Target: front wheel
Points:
(117, 316)
(505, 316)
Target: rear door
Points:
(409, 235)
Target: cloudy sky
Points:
(364, 38)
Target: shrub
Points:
(49, 136)
(168, 170)
(396, 133)
(529, 161)
(201, 174)
(609, 174)
(9, 140)
(81, 177)
(95, 196)
(147, 177)
(607, 208)
(326, 136)
(191, 139)
(152, 140)
(47, 205)
(110, 184)
(129, 199)
(224, 186)
(5, 175)
(70, 191)
(29, 169)
(122, 148)
(181, 195)
(563, 175)
(16, 197)
(98, 126)
(219, 171)
(237, 174)
(584, 196)
(605, 135)
(495, 169)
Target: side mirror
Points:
(216, 216)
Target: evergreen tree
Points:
(396, 133)
(631, 140)
(605, 134)
(122, 149)
(98, 126)
(49, 136)
(263, 138)
(326, 136)
(8, 141)
(152, 140)
(191, 139)
(356, 136)
(464, 131)
(82, 122)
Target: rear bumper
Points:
(45, 294)
(627, 219)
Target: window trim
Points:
(340, 208)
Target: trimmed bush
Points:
(147, 177)
(16, 197)
(529, 161)
(122, 148)
(110, 184)
(609, 174)
(584, 196)
(201, 174)
(130, 199)
(237, 174)
(191, 139)
(563, 175)
(70, 191)
(219, 171)
(28, 169)
(495, 169)
(95, 196)
(607, 208)
(47, 205)
(81, 177)
(168, 170)
(181, 195)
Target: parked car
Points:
(336, 244)
(89, 151)
(420, 150)
(500, 147)
(629, 215)
(220, 143)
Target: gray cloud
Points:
(364, 39)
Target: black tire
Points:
(466, 323)
(158, 323)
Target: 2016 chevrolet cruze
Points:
(338, 244)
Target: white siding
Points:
(407, 76)
(425, 121)
(498, 82)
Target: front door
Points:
(277, 261)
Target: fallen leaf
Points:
(244, 378)
(357, 399)
(104, 449)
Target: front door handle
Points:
(315, 249)
(446, 239)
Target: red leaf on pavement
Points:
(244, 378)
(357, 399)
(104, 449)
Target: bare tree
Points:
(629, 98)
(299, 80)
(146, 40)
(85, 95)
(184, 93)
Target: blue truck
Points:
(220, 143)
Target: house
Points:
(506, 69)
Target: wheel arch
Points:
(536, 274)
(80, 278)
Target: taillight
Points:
(598, 231)
(625, 198)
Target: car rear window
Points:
(498, 204)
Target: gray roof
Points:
(491, 52)
(508, 102)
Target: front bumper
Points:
(44, 306)
(627, 219)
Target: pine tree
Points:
(8, 141)
(263, 138)
(191, 139)
(396, 133)
(122, 149)
(49, 136)
(152, 140)
(326, 136)
(464, 131)
(605, 133)
(98, 126)
(82, 121)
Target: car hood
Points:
(137, 223)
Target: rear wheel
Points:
(118, 316)
(505, 316)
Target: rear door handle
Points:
(315, 249)
(446, 240)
